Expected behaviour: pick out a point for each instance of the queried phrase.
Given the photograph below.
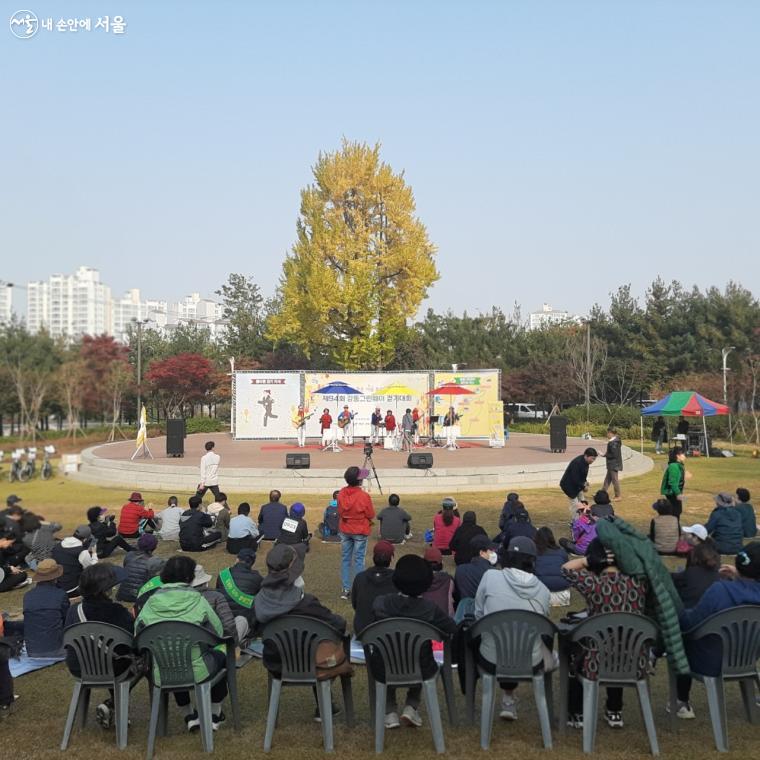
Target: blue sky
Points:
(556, 149)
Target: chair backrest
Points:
(170, 645)
(296, 638)
(398, 642)
(739, 630)
(514, 634)
(94, 645)
(619, 639)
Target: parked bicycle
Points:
(46, 471)
(18, 467)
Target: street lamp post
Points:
(725, 352)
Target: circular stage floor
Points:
(258, 466)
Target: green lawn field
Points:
(35, 727)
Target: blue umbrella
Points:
(337, 388)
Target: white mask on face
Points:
(492, 558)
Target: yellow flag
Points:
(142, 432)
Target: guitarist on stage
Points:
(346, 424)
(299, 422)
(449, 424)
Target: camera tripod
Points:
(371, 462)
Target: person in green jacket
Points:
(176, 599)
(673, 480)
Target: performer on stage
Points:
(417, 420)
(299, 422)
(450, 426)
(325, 422)
(346, 424)
(390, 429)
(376, 425)
(407, 431)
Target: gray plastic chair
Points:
(94, 645)
(399, 641)
(514, 634)
(739, 631)
(619, 638)
(170, 646)
(296, 638)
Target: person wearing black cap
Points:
(240, 584)
(411, 577)
(467, 577)
(374, 582)
(514, 587)
(461, 541)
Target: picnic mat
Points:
(20, 666)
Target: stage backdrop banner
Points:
(364, 404)
(474, 408)
(265, 403)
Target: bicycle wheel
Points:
(24, 474)
(11, 474)
(47, 471)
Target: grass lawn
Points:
(35, 728)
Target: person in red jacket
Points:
(131, 514)
(325, 424)
(355, 516)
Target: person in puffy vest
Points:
(74, 554)
(140, 566)
(665, 529)
(240, 584)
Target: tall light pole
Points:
(139, 323)
(725, 352)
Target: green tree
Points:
(361, 265)
(245, 313)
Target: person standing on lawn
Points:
(355, 514)
(614, 460)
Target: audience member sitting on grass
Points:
(602, 506)
(584, 532)
(220, 511)
(103, 529)
(45, 608)
(606, 589)
(135, 518)
(15, 553)
(11, 576)
(167, 520)
(747, 511)
(691, 536)
(411, 577)
(8, 629)
(240, 584)
(220, 605)
(550, 557)
(243, 532)
(508, 510)
(328, 529)
(271, 516)
(467, 577)
(441, 591)
(741, 586)
(445, 523)
(463, 535)
(194, 528)
(97, 607)
(372, 583)
(74, 554)
(140, 567)
(514, 587)
(177, 600)
(698, 575)
(664, 530)
(294, 529)
(39, 538)
(725, 525)
(395, 522)
(519, 525)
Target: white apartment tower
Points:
(6, 302)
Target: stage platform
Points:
(258, 466)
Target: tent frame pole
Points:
(707, 443)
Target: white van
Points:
(526, 412)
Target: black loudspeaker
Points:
(558, 434)
(297, 461)
(175, 438)
(421, 461)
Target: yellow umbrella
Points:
(396, 389)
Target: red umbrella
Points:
(450, 390)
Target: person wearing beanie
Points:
(195, 534)
(103, 528)
(74, 554)
(140, 566)
(725, 525)
(243, 532)
(394, 521)
(747, 511)
(240, 584)
(460, 542)
(168, 520)
(355, 515)
(445, 523)
(441, 591)
(294, 528)
(412, 577)
(45, 608)
(135, 514)
(374, 582)
(514, 587)
(740, 586)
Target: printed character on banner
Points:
(267, 402)
(299, 418)
(346, 424)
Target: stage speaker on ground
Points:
(558, 434)
(297, 461)
(420, 461)
(175, 438)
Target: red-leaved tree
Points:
(99, 353)
(179, 380)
